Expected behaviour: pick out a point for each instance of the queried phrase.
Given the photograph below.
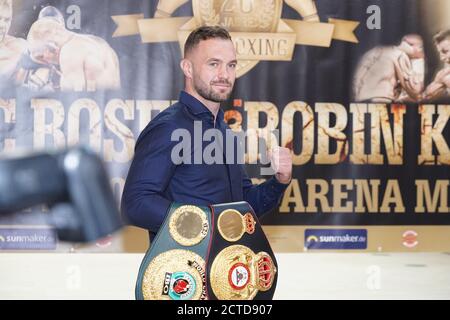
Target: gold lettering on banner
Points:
(50, 124)
(263, 47)
(321, 131)
(340, 195)
(307, 126)
(256, 27)
(380, 128)
(120, 130)
(358, 155)
(9, 115)
(95, 123)
(254, 131)
(326, 132)
(53, 129)
(367, 194)
(439, 195)
(380, 125)
(292, 195)
(433, 133)
(319, 189)
(392, 195)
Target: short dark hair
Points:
(441, 36)
(204, 33)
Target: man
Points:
(35, 75)
(440, 87)
(86, 62)
(11, 48)
(155, 180)
(391, 74)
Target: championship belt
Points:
(174, 266)
(220, 252)
(240, 264)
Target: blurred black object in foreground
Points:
(73, 183)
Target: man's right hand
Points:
(439, 86)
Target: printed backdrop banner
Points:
(361, 96)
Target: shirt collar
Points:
(196, 107)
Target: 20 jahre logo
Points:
(257, 29)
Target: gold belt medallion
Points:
(250, 223)
(265, 271)
(237, 273)
(232, 276)
(232, 225)
(188, 225)
(175, 275)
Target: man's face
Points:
(5, 20)
(46, 54)
(43, 41)
(214, 69)
(415, 47)
(444, 50)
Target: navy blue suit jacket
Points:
(154, 181)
